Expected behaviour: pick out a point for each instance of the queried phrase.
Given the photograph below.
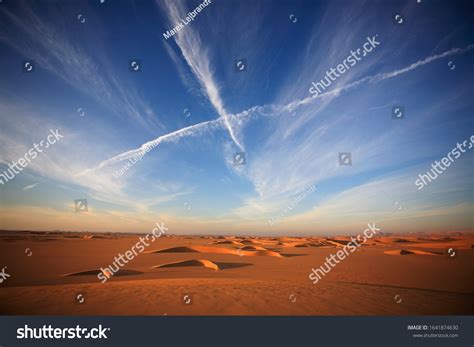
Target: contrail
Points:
(31, 186)
(189, 42)
(381, 76)
(192, 130)
(203, 127)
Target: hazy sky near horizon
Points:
(200, 110)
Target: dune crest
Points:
(263, 253)
(194, 262)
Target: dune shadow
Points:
(128, 273)
(341, 242)
(203, 263)
(289, 255)
(402, 241)
(225, 266)
(176, 250)
(225, 242)
(409, 288)
(95, 272)
(411, 252)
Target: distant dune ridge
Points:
(236, 275)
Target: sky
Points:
(235, 80)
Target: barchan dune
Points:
(197, 262)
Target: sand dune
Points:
(403, 240)
(224, 276)
(248, 241)
(316, 244)
(252, 251)
(194, 262)
(214, 265)
(311, 244)
(227, 242)
(195, 249)
(337, 243)
(95, 272)
(265, 253)
(436, 239)
(411, 251)
(253, 248)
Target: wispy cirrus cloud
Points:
(198, 59)
(394, 201)
(278, 174)
(271, 110)
(57, 167)
(53, 49)
(291, 139)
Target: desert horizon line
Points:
(451, 232)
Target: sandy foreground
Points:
(55, 273)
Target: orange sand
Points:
(235, 276)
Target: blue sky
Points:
(189, 101)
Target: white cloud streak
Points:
(197, 57)
(31, 186)
(271, 110)
(51, 49)
(380, 77)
